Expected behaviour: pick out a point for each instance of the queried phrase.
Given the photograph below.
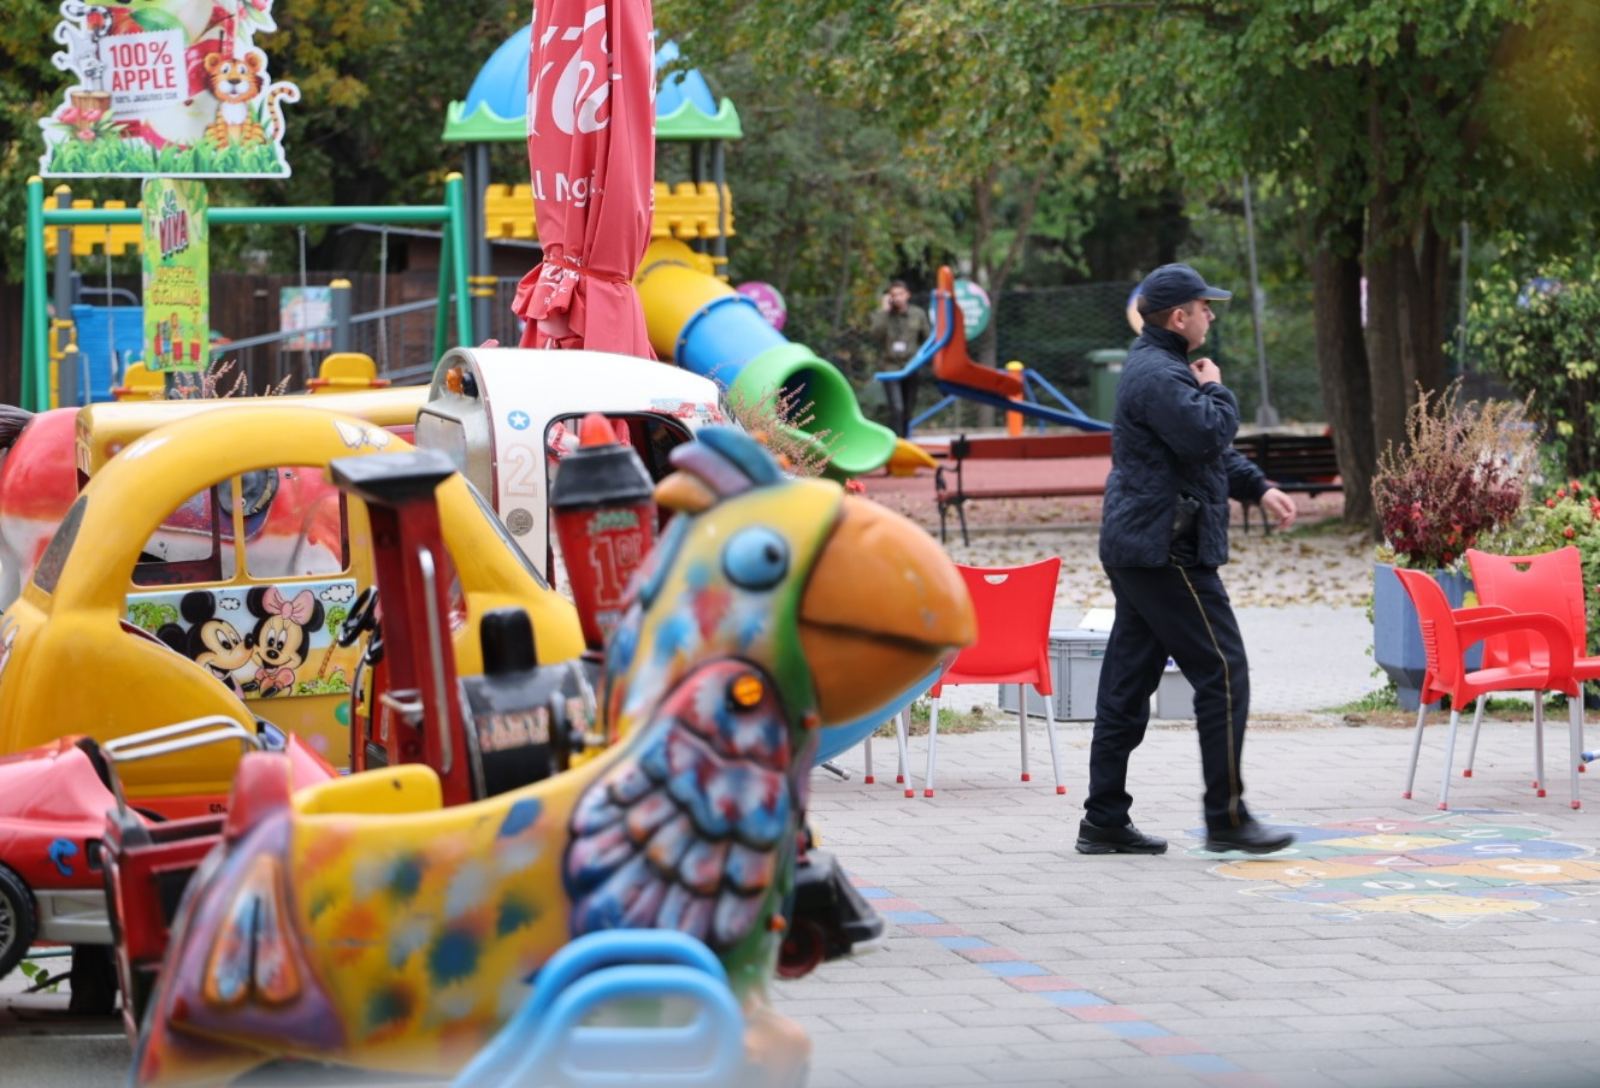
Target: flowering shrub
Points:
(1459, 475)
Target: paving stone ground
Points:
(1403, 947)
(1397, 947)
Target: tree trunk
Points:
(1342, 367)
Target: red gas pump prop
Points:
(604, 508)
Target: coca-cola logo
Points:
(571, 77)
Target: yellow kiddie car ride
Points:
(205, 569)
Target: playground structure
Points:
(695, 318)
(50, 366)
(959, 377)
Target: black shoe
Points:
(1126, 839)
(1251, 837)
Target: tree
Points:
(988, 113)
(1393, 121)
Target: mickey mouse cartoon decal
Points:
(209, 640)
(282, 637)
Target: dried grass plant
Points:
(777, 419)
(1462, 472)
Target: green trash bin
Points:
(1105, 371)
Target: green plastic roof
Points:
(687, 122)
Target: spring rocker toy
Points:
(358, 922)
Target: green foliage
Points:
(1536, 322)
(336, 684)
(1426, 98)
(151, 615)
(976, 98)
(115, 155)
(39, 975)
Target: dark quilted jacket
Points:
(1171, 435)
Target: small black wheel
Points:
(804, 948)
(93, 981)
(19, 921)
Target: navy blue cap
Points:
(1173, 285)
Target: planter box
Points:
(1397, 634)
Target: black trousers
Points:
(1182, 613)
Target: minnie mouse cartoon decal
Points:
(282, 637)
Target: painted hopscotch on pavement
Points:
(1449, 871)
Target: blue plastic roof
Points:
(681, 87)
(502, 82)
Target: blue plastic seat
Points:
(548, 1043)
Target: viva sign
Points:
(172, 227)
(177, 275)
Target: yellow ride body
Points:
(79, 651)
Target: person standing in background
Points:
(898, 330)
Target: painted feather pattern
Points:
(687, 836)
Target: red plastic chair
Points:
(1013, 605)
(1550, 582)
(1448, 633)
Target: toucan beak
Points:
(883, 607)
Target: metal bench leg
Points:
(961, 512)
(866, 752)
(933, 747)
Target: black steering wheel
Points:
(362, 618)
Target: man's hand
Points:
(887, 305)
(1205, 371)
(1279, 506)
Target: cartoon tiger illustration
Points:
(236, 82)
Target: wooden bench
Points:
(1024, 447)
(1293, 463)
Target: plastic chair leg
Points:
(902, 729)
(1449, 758)
(866, 754)
(1416, 749)
(933, 747)
(1575, 744)
(1538, 744)
(1477, 724)
(1022, 728)
(1050, 731)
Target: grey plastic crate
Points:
(1174, 696)
(1075, 657)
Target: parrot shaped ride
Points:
(358, 922)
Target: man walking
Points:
(1162, 538)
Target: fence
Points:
(1053, 330)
